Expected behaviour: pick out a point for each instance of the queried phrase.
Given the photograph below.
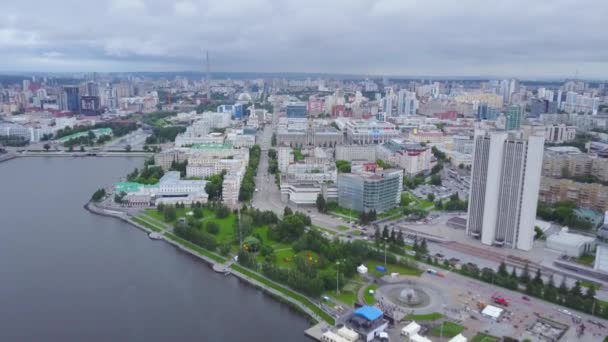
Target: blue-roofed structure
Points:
(370, 313)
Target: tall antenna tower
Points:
(208, 80)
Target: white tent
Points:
(459, 338)
(419, 338)
(492, 311)
(411, 329)
(348, 334)
(362, 269)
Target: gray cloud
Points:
(397, 37)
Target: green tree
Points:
(423, 247)
(212, 228)
(525, 274)
(128, 148)
(46, 147)
(502, 269)
(98, 195)
(436, 180)
(321, 203)
(431, 197)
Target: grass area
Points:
(287, 292)
(262, 232)
(348, 294)
(390, 268)
(226, 233)
(345, 212)
(426, 317)
(391, 212)
(450, 329)
(588, 284)
(324, 230)
(196, 248)
(154, 213)
(343, 228)
(481, 337)
(368, 297)
(146, 224)
(587, 259)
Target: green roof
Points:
(127, 187)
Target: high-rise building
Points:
(513, 118)
(485, 112)
(72, 98)
(505, 182)
(407, 104)
(387, 102)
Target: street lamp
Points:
(385, 243)
(337, 277)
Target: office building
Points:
(505, 182)
(513, 118)
(366, 191)
(407, 104)
(369, 132)
(485, 112)
(542, 106)
(356, 152)
(296, 110)
(72, 98)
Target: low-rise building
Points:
(368, 132)
(570, 244)
(170, 189)
(356, 152)
(413, 158)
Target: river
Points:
(69, 275)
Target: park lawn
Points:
(226, 224)
(196, 248)
(348, 294)
(343, 227)
(146, 224)
(262, 232)
(390, 268)
(285, 257)
(481, 337)
(450, 329)
(587, 259)
(285, 291)
(368, 297)
(154, 213)
(425, 317)
(181, 212)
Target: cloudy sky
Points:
(523, 38)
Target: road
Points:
(268, 196)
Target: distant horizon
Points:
(313, 74)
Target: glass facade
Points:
(379, 192)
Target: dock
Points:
(317, 330)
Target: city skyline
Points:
(392, 38)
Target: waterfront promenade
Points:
(219, 262)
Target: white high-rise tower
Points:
(505, 182)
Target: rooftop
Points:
(370, 313)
